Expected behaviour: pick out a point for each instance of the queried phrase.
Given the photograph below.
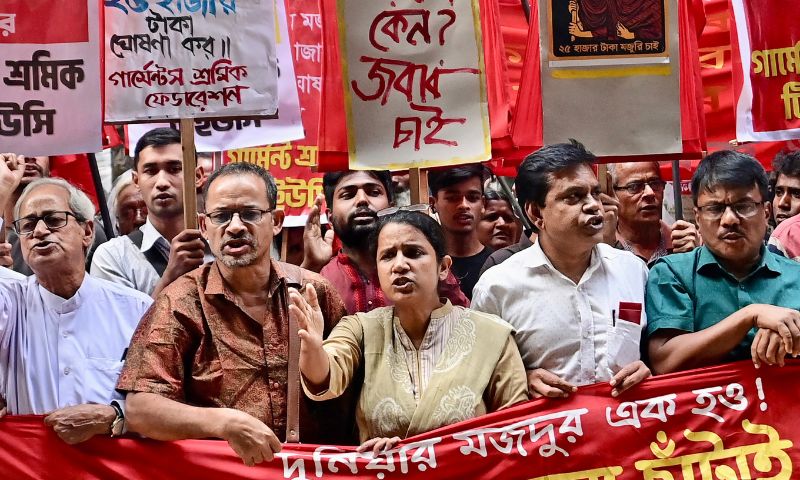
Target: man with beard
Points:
(215, 356)
(151, 257)
(730, 299)
(639, 189)
(574, 302)
(457, 196)
(355, 198)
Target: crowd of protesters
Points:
(401, 325)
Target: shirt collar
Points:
(216, 285)
(61, 305)
(536, 258)
(150, 236)
(707, 261)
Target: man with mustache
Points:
(456, 194)
(575, 302)
(215, 357)
(730, 299)
(639, 189)
(153, 256)
(63, 333)
(354, 199)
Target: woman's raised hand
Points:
(305, 310)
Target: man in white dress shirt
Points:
(575, 303)
(63, 334)
(152, 257)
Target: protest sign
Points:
(290, 165)
(610, 75)
(50, 103)
(767, 41)
(726, 422)
(216, 135)
(414, 80)
(169, 59)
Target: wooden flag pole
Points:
(189, 166)
(418, 181)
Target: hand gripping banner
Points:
(720, 423)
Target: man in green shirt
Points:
(731, 299)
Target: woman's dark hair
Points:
(732, 169)
(490, 195)
(422, 222)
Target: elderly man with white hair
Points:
(63, 334)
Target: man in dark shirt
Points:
(457, 196)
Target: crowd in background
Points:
(395, 318)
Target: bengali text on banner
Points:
(723, 423)
(767, 40)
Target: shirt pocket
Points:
(101, 379)
(623, 344)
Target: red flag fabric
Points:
(724, 422)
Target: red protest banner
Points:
(726, 422)
(768, 47)
(44, 21)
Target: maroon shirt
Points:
(362, 294)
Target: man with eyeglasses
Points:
(639, 189)
(151, 257)
(355, 199)
(730, 299)
(217, 355)
(63, 333)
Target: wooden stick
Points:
(418, 181)
(284, 243)
(603, 178)
(189, 166)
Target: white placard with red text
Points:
(414, 83)
(168, 59)
(50, 77)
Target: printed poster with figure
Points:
(633, 30)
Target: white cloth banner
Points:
(230, 134)
(169, 59)
(414, 83)
(50, 77)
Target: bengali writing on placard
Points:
(415, 81)
(171, 59)
(44, 80)
(782, 62)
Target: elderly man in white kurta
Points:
(63, 334)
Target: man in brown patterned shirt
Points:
(212, 357)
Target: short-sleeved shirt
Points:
(197, 345)
(692, 291)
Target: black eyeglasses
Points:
(246, 215)
(715, 211)
(419, 207)
(636, 188)
(52, 220)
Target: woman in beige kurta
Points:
(426, 363)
